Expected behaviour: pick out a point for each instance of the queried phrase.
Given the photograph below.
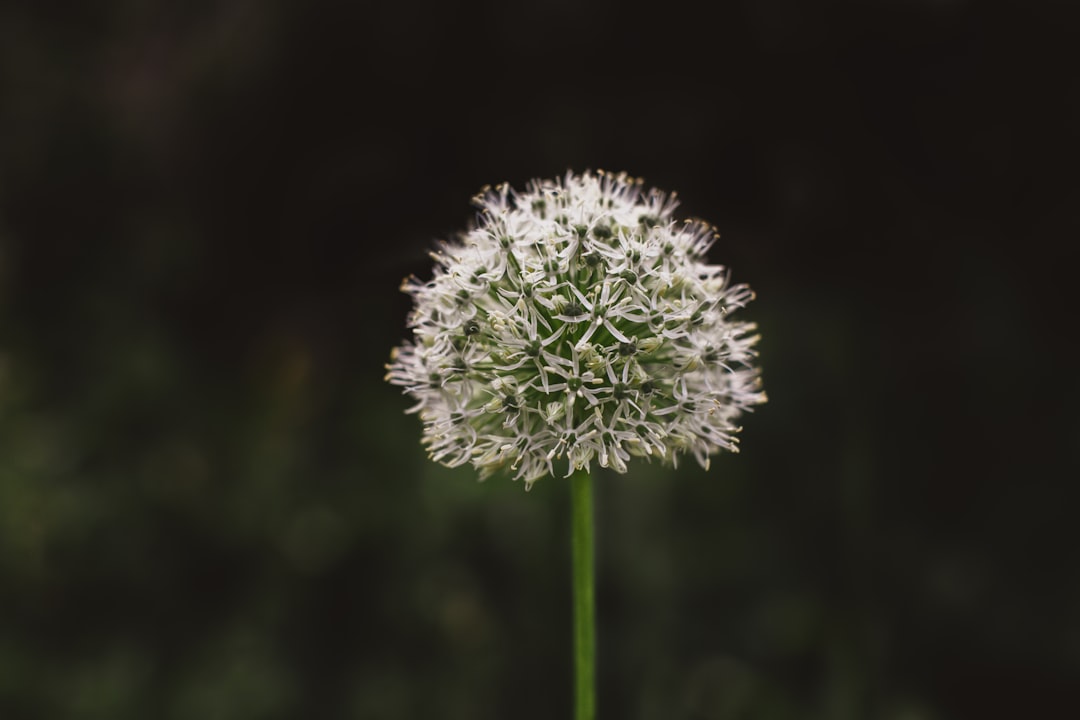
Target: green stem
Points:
(584, 601)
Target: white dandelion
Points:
(577, 321)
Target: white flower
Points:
(577, 320)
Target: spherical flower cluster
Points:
(577, 320)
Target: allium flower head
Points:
(577, 321)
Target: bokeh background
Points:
(211, 506)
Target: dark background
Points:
(211, 506)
